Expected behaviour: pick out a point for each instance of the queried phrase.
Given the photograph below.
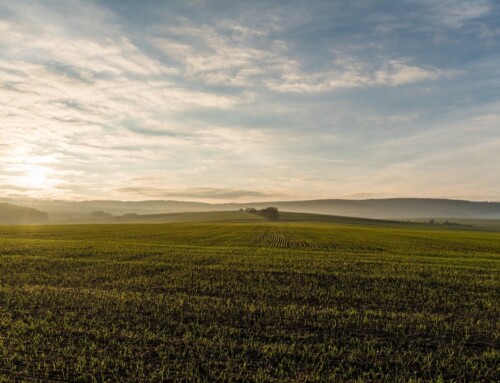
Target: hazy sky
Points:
(249, 100)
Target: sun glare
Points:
(36, 177)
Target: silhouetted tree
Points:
(269, 212)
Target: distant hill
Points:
(17, 215)
(242, 216)
(62, 211)
(393, 208)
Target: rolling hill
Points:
(19, 215)
(394, 208)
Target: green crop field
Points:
(249, 301)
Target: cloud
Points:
(214, 102)
(455, 13)
(323, 159)
(199, 193)
(350, 73)
(209, 55)
(91, 98)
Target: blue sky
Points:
(256, 100)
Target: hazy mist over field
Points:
(223, 101)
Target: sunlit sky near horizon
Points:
(249, 100)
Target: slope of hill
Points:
(77, 210)
(17, 215)
(395, 208)
(212, 216)
(243, 216)
(286, 217)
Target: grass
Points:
(248, 301)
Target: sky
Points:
(220, 101)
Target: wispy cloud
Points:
(352, 74)
(213, 56)
(197, 193)
(455, 13)
(323, 160)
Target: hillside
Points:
(78, 210)
(243, 216)
(285, 217)
(213, 216)
(395, 208)
(18, 215)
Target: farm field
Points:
(249, 301)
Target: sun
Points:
(36, 177)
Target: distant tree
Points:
(269, 213)
(432, 221)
